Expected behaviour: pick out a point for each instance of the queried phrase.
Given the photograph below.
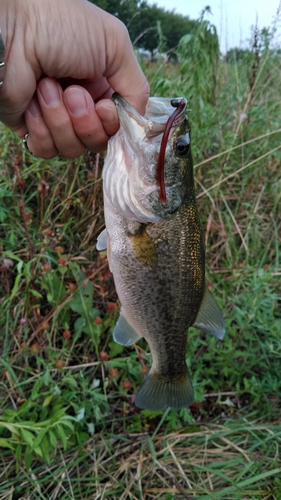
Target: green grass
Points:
(235, 460)
(68, 425)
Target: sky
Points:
(232, 18)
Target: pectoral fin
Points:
(124, 333)
(102, 241)
(209, 318)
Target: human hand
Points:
(63, 61)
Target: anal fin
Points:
(124, 333)
(209, 318)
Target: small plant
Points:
(30, 438)
(199, 53)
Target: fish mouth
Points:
(152, 124)
(145, 142)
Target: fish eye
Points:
(182, 146)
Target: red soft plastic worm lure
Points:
(180, 105)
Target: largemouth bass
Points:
(155, 245)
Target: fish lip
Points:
(123, 106)
(130, 120)
(119, 100)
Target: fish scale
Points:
(155, 249)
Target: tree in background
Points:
(193, 43)
(237, 55)
(143, 21)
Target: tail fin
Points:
(156, 393)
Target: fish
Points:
(154, 242)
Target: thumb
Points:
(123, 72)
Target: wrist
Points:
(8, 15)
(10, 19)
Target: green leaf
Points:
(54, 286)
(5, 443)
(3, 214)
(70, 381)
(28, 458)
(10, 427)
(61, 434)
(57, 415)
(12, 256)
(82, 301)
(16, 286)
(27, 437)
(38, 451)
(115, 349)
(48, 400)
(67, 422)
(36, 294)
(62, 269)
(45, 447)
(18, 452)
(53, 439)
(152, 449)
(39, 438)
(79, 326)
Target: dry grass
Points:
(229, 461)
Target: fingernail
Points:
(50, 93)
(76, 101)
(109, 117)
(34, 108)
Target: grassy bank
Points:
(68, 425)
